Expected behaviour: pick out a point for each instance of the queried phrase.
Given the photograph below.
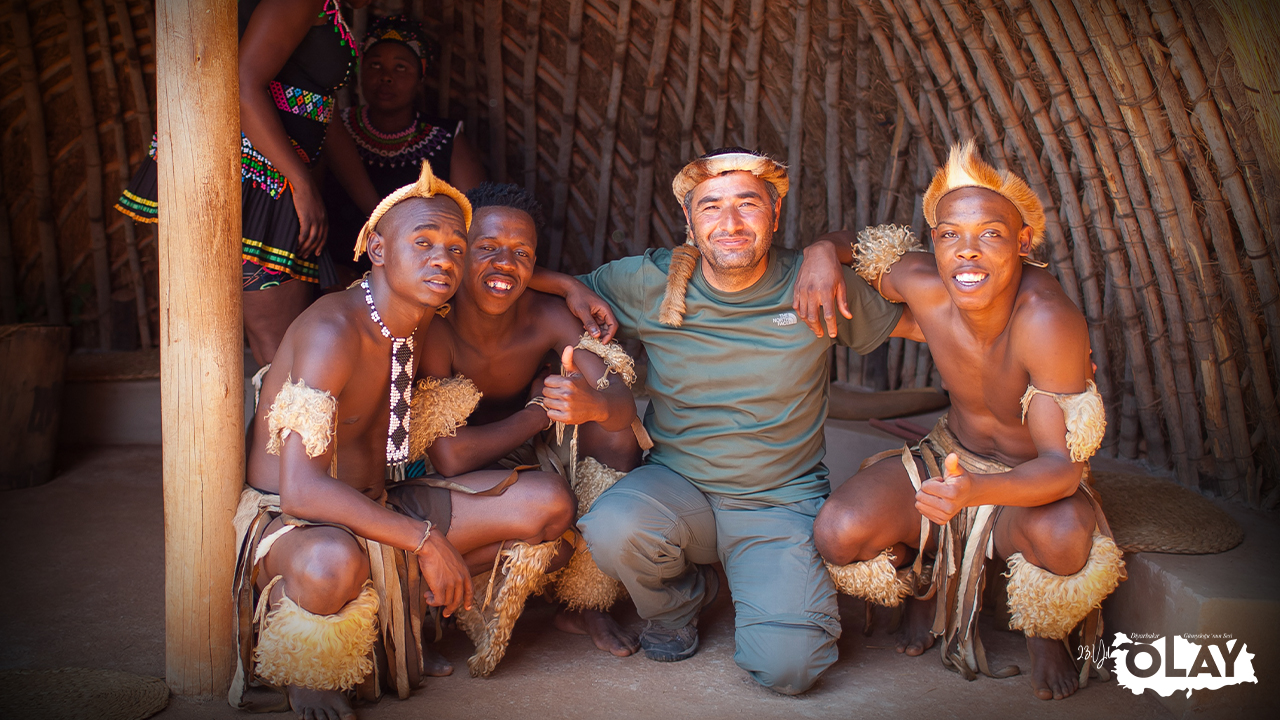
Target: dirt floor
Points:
(84, 588)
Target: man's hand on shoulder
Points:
(820, 284)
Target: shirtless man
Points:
(500, 335)
(322, 532)
(1008, 461)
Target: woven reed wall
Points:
(1134, 119)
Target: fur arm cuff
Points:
(879, 248)
(616, 360)
(875, 580)
(318, 652)
(304, 410)
(440, 407)
(1085, 416)
(1045, 605)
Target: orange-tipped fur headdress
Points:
(685, 258)
(428, 185)
(965, 169)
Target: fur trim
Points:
(591, 480)
(879, 248)
(1045, 605)
(1085, 415)
(427, 185)
(489, 625)
(440, 407)
(304, 410)
(616, 360)
(709, 166)
(875, 580)
(319, 652)
(965, 168)
(581, 584)
(683, 261)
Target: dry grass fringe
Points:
(875, 580)
(965, 168)
(304, 410)
(879, 248)
(683, 260)
(440, 407)
(1045, 605)
(1085, 416)
(489, 626)
(319, 652)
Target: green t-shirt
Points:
(738, 394)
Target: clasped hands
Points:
(570, 397)
(939, 499)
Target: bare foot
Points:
(916, 637)
(603, 629)
(433, 663)
(1053, 674)
(320, 704)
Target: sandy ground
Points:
(83, 587)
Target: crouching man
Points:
(1004, 473)
(336, 567)
(738, 396)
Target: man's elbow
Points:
(446, 462)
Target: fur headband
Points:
(965, 169)
(427, 186)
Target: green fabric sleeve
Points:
(621, 284)
(873, 317)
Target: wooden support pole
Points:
(608, 142)
(39, 145)
(751, 75)
(497, 96)
(529, 93)
(201, 336)
(653, 82)
(568, 120)
(691, 70)
(722, 74)
(795, 127)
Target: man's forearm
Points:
(1031, 484)
(840, 243)
(320, 498)
(552, 282)
(476, 448)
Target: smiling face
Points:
(389, 76)
(733, 219)
(420, 244)
(500, 257)
(979, 243)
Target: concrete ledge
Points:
(117, 412)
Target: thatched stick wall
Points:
(1149, 127)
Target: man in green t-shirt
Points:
(738, 396)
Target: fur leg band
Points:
(581, 585)
(304, 410)
(875, 580)
(319, 652)
(1045, 605)
(489, 625)
(1084, 413)
(440, 407)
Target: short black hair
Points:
(510, 195)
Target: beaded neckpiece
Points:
(401, 384)
(410, 146)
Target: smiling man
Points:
(502, 337)
(738, 396)
(340, 561)
(1004, 473)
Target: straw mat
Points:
(1150, 514)
(80, 693)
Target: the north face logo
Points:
(785, 319)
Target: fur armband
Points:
(1085, 416)
(616, 360)
(318, 652)
(875, 580)
(440, 407)
(879, 248)
(304, 410)
(1045, 605)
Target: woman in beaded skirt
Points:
(294, 55)
(391, 135)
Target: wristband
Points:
(542, 403)
(425, 536)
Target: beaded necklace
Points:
(339, 25)
(401, 384)
(367, 126)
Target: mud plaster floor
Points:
(83, 587)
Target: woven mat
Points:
(1154, 515)
(80, 693)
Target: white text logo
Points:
(1170, 664)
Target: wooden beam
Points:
(497, 98)
(795, 128)
(751, 76)
(608, 144)
(201, 335)
(568, 117)
(655, 78)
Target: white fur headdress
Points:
(965, 169)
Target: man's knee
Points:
(548, 505)
(327, 570)
(844, 533)
(786, 658)
(1061, 535)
